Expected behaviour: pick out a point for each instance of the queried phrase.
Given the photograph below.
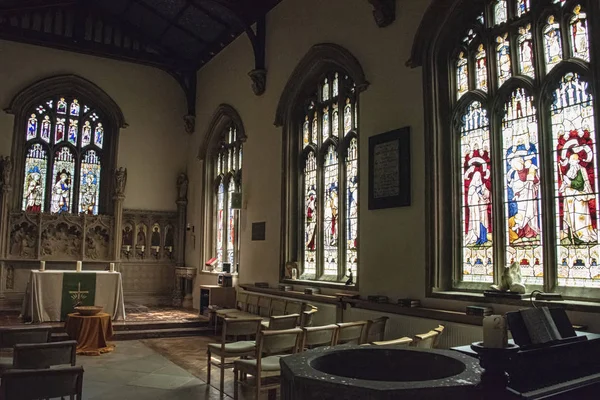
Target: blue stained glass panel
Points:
(62, 181)
(34, 184)
(32, 125)
(89, 190)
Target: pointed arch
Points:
(223, 116)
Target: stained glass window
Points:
(62, 181)
(89, 189)
(481, 69)
(477, 195)
(503, 59)
(552, 44)
(576, 185)
(462, 75)
(500, 12)
(329, 169)
(99, 135)
(60, 131)
(523, 7)
(228, 175)
(580, 44)
(525, 40)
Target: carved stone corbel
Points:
(259, 73)
(190, 123)
(384, 12)
(259, 81)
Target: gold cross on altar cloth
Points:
(78, 295)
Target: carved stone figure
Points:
(511, 280)
(120, 180)
(6, 164)
(182, 186)
(127, 236)
(141, 237)
(91, 250)
(259, 81)
(22, 241)
(10, 277)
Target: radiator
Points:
(397, 326)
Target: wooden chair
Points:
(271, 346)
(232, 327)
(375, 331)
(317, 336)
(307, 315)
(278, 307)
(44, 355)
(403, 341)
(11, 336)
(351, 332)
(281, 322)
(252, 305)
(428, 340)
(264, 306)
(30, 384)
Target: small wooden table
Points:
(91, 333)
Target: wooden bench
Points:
(249, 305)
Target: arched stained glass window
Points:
(329, 179)
(227, 185)
(63, 157)
(525, 149)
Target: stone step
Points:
(148, 333)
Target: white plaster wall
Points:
(152, 148)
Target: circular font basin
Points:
(390, 365)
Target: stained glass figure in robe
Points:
(36, 164)
(462, 76)
(522, 186)
(481, 69)
(352, 207)
(335, 121)
(45, 129)
(310, 214)
(61, 106)
(305, 132)
(72, 136)
(552, 44)
(230, 222)
(500, 12)
(325, 127)
(86, 134)
(331, 206)
(523, 7)
(59, 133)
(74, 111)
(580, 44)
(99, 135)
(62, 174)
(503, 59)
(89, 190)
(336, 85)
(574, 141)
(315, 129)
(347, 116)
(220, 221)
(325, 90)
(477, 195)
(525, 41)
(32, 125)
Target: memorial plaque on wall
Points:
(389, 169)
(259, 230)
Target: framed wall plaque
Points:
(259, 230)
(389, 169)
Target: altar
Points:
(52, 294)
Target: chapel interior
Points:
(403, 194)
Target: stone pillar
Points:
(182, 186)
(118, 197)
(6, 165)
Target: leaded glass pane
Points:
(522, 186)
(580, 44)
(335, 121)
(74, 111)
(99, 135)
(325, 90)
(481, 76)
(330, 209)
(230, 222)
(34, 184)
(46, 129)
(462, 76)
(476, 195)
(32, 125)
(325, 128)
(503, 59)
(61, 106)
(347, 116)
(240, 158)
(576, 185)
(86, 134)
(89, 190)
(315, 129)
(352, 207)
(73, 132)
(561, 2)
(500, 12)
(219, 223)
(306, 132)
(310, 215)
(523, 7)
(525, 41)
(62, 181)
(336, 85)
(59, 132)
(552, 44)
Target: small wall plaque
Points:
(259, 230)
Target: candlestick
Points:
(42, 265)
(111, 267)
(78, 266)
(494, 332)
